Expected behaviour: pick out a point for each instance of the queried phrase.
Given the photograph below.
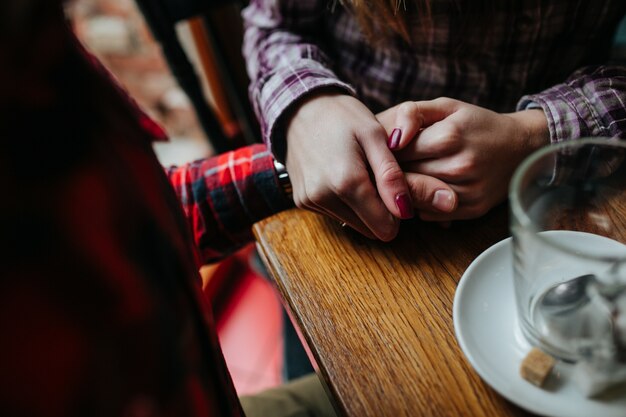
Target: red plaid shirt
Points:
(101, 312)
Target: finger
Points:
(429, 193)
(408, 122)
(468, 194)
(332, 207)
(463, 212)
(343, 214)
(431, 111)
(452, 170)
(435, 141)
(352, 199)
(389, 178)
(364, 201)
(435, 110)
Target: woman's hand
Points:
(339, 164)
(472, 149)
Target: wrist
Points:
(534, 124)
(306, 110)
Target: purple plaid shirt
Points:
(552, 54)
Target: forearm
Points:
(590, 103)
(224, 195)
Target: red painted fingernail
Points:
(403, 202)
(394, 138)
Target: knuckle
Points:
(369, 130)
(463, 168)
(389, 172)
(444, 101)
(441, 145)
(419, 191)
(408, 109)
(300, 201)
(313, 193)
(347, 184)
(449, 139)
(318, 195)
(457, 171)
(452, 133)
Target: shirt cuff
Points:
(570, 115)
(530, 105)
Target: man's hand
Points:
(472, 149)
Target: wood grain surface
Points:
(378, 316)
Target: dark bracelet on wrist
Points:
(283, 178)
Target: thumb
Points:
(390, 180)
(430, 193)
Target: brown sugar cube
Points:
(536, 366)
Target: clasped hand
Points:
(445, 159)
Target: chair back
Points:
(217, 32)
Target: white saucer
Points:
(485, 323)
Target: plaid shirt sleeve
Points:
(282, 61)
(223, 196)
(592, 102)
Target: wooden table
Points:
(378, 316)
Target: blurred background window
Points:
(115, 31)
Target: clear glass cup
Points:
(568, 221)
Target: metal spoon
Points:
(574, 319)
(566, 315)
(565, 297)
